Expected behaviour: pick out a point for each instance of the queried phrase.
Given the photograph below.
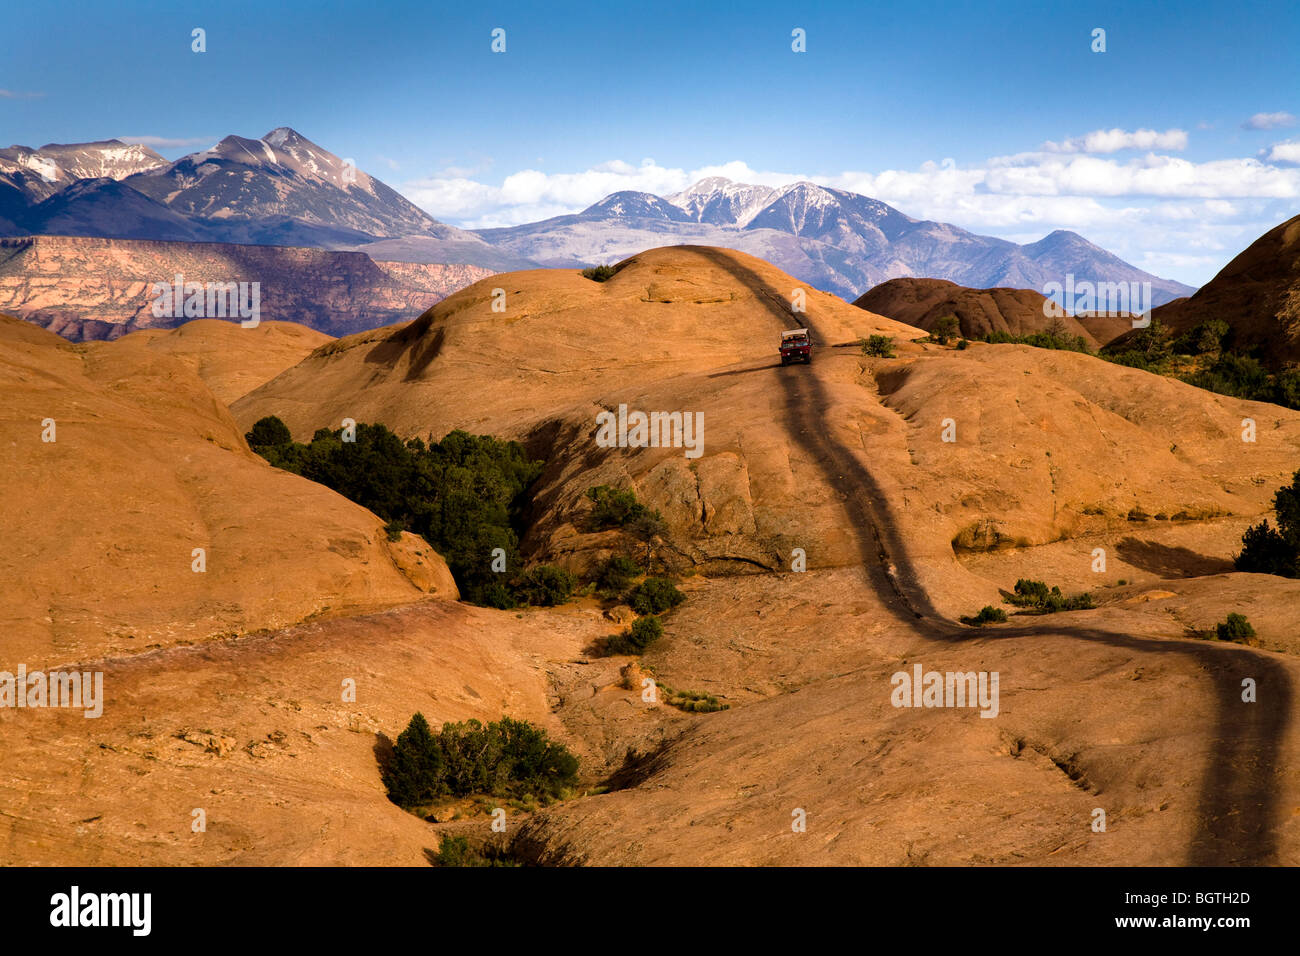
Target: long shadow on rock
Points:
(1169, 562)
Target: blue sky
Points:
(985, 115)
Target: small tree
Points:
(645, 527)
(616, 575)
(415, 772)
(654, 596)
(545, 586)
(879, 346)
(1266, 550)
(988, 615)
(1235, 628)
(643, 632)
(1057, 329)
(268, 432)
(612, 507)
(945, 329)
(1153, 343)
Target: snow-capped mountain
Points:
(59, 164)
(281, 189)
(721, 202)
(836, 240)
(282, 179)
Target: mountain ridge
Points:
(282, 189)
(837, 240)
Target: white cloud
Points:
(1284, 152)
(1269, 121)
(1114, 140)
(530, 194)
(16, 95)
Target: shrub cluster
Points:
(654, 596)
(615, 576)
(988, 615)
(946, 328)
(456, 851)
(599, 273)
(691, 701)
(466, 495)
(1037, 595)
(506, 758)
(1056, 336)
(1203, 356)
(879, 346)
(618, 508)
(1269, 550)
(643, 632)
(544, 586)
(1235, 628)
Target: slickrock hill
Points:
(232, 360)
(1124, 707)
(103, 288)
(253, 731)
(1257, 294)
(146, 466)
(694, 329)
(922, 302)
(561, 339)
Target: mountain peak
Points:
(720, 201)
(283, 136)
(631, 204)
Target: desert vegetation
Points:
(507, 758)
(988, 614)
(614, 577)
(1269, 550)
(692, 701)
(1055, 336)
(635, 639)
(457, 851)
(878, 346)
(1037, 597)
(615, 508)
(1205, 356)
(945, 330)
(466, 495)
(1235, 628)
(654, 596)
(1202, 356)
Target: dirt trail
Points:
(1238, 805)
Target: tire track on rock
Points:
(1237, 813)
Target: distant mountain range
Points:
(280, 190)
(285, 190)
(835, 240)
